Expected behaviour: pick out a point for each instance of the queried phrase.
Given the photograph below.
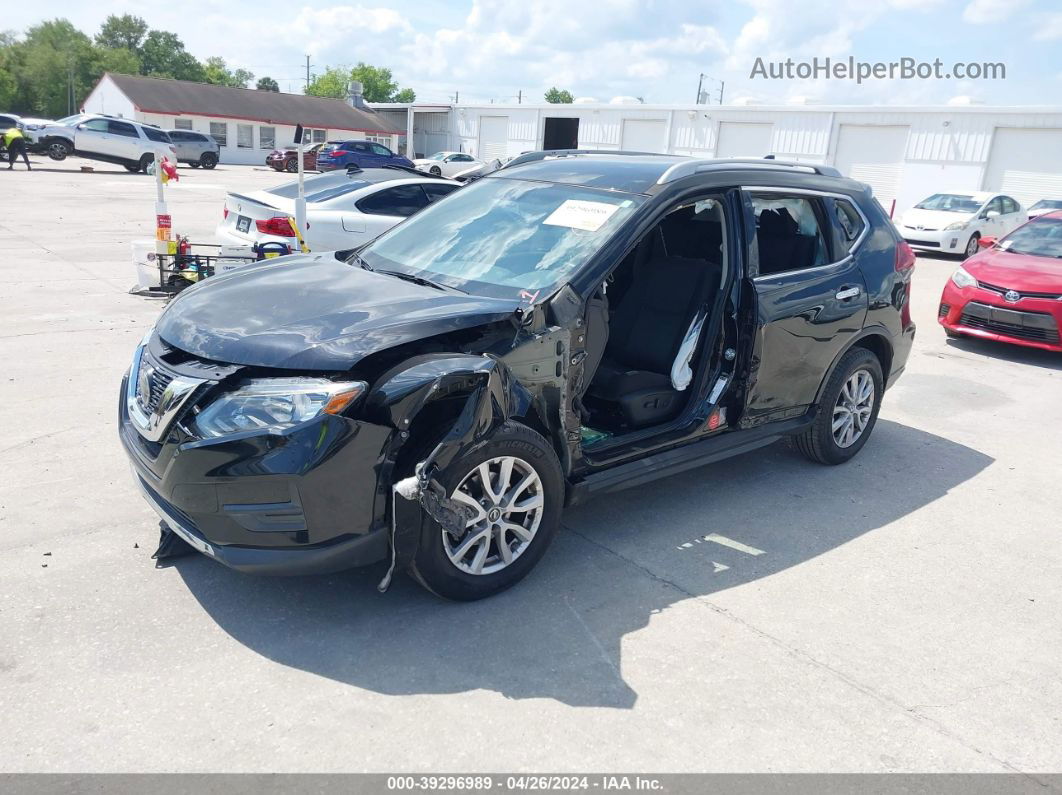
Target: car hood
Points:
(933, 219)
(1021, 272)
(313, 313)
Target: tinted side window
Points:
(6, 123)
(402, 200)
(156, 135)
(380, 149)
(1009, 205)
(438, 190)
(359, 146)
(995, 206)
(789, 232)
(121, 128)
(96, 125)
(849, 223)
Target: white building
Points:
(904, 153)
(247, 124)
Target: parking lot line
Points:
(729, 542)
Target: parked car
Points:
(96, 137)
(195, 148)
(1011, 291)
(287, 159)
(954, 222)
(343, 209)
(447, 164)
(1045, 206)
(557, 329)
(363, 154)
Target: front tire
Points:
(514, 484)
(972, 244)
(291, 165)
(847, 411)
(436, 171)
(59, 149)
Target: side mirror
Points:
(992, 214)
(987, 242)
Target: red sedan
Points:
(1010, 291)
(288, 159)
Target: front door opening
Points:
(658, 302)
(560, 133)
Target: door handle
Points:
(847, 293)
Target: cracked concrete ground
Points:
(899, 613)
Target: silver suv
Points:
(95, 137)
(195, 148)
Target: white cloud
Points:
(985, 12)
(1050, 28)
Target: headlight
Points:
(963, 279)
(956, 225)
(275, 403)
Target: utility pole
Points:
(520, 97)
(307, 71)
(722, 85)
(700, 82)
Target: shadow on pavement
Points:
(617, 561)
(1034, 357)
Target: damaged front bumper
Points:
(301, 501)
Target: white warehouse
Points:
(904, 153)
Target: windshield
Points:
(438, 156)
(950, 203)
(1040, 238)
(321, 187)
(504, 238)
(68, 120)
(1047, 204)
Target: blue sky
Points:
(491, 49)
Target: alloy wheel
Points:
(971, 246)
(506, 497)
(853, 409)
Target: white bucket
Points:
(231, 257)
(146, 264)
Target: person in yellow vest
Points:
(16, 144)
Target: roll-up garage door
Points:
(1025, 164)
(644, 135)
(873, 155)
(493, 137)
(744, 139)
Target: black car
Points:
(567, 326)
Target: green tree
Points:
(217, 72)
(377, 84)
(405, 95)
(267, 84)
(122, 32)
(163, 55)
(559, 96)
(333, 83)
(54, 68)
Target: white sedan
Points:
(344, 209)
(446, 164)
(953, 222)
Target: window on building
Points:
(267, 137)
(219, 131)
(319, 136)
(182, 124)
(244, 136)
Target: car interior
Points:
(638, 322)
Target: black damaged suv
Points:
(572, 324)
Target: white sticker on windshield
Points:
(577, 214)
(1006, 244)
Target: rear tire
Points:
(844, 410)
(208, 160)
(531, 460)
(145, 163)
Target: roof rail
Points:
(689, 167)
(543, 154)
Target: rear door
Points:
(125, 140)
(364, 156)
(811, 299)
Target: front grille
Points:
(943, 310)
(923, 243)
(1032, 326)
(157, 382)
(994, 288)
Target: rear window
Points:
(154, 134)
(321, 186)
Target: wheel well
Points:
(53, 138)
(880, 347)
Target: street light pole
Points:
(700, 82)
